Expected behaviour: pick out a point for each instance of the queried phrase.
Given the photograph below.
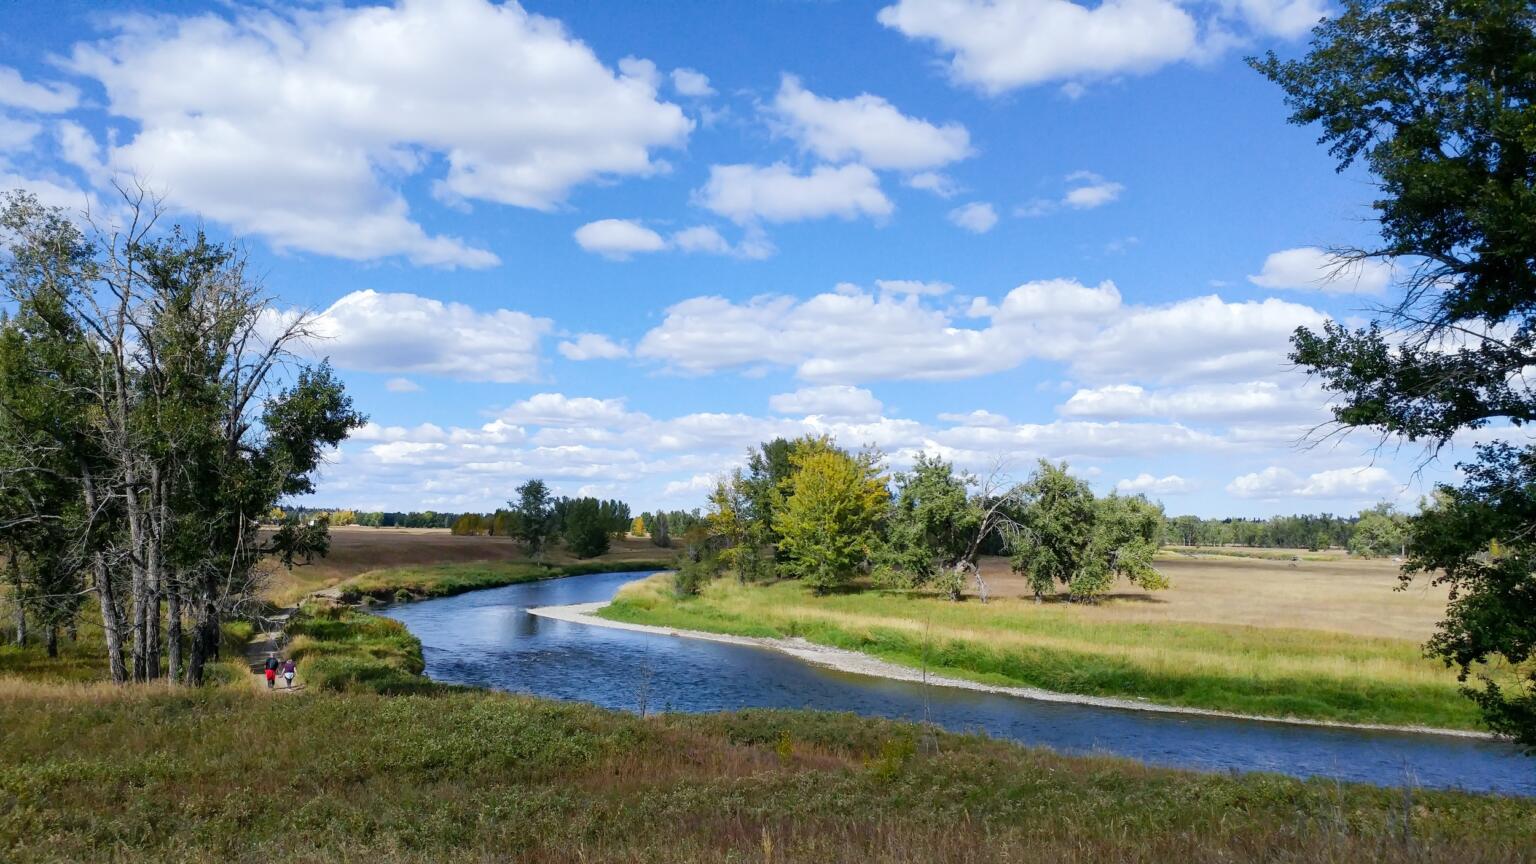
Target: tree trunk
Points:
(53, 640)
(198, 655)
(153, 578)
(111, 616)
(21, 609)
(173, 633)
(138, 593)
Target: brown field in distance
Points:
(1337, 593)
(356, 550)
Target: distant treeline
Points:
(1373, 532)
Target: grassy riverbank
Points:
(341, 771)
(1280, 672)
(232, 775)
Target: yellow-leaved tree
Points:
(830, 511)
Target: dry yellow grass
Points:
(1342, 595)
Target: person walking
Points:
(289, 668)
(271, 670)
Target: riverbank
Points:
(865, 664)
(385, 765)
(1237, 670)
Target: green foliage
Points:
(1477, 539)
(830, 513)
(1439, 98)
(660, 531)
(588, 527)
(931, 527)
(694, 572)
(1379, 533)
(533, 517)
(470, 525)
(1071, 538)
(1057, 526)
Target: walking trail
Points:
(269, 641)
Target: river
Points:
(487, 639)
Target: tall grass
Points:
(231, 775)
(1252, 670)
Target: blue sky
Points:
(613, 245)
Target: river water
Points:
(487, 639)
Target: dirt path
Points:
(268, 642)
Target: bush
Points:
(693, 572)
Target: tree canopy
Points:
(1436, 97)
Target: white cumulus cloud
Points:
(776, 193)
(300, 126)
(618, 238)
(832, 400)
(592, 346)
(1146, 484)
(978, 217)
(867, 129)
(998, 45)
(1365, 482)
(1309, 268)
(406, 333)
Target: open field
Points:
(229, 774)
(356, 551)
(1333, 593)
(1232, 635)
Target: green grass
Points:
(338, 648)
(400, 584)
(233, 775)
(342, 771)
(1075, 649)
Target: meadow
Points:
(1233, 634)
(343, 772)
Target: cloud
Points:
(1366, 482)
(618, 238)
(1284, 18)
(998, 45)
(1309, 268)
(406, 333)
(979, 417)
(690, 82)
(557, 409)
(303, 126)
(851, 335)
(832, 400)
(913, 286)
(17, 135)
(1247, 400)
(775, 193)
(17, 92)
(977, 217)
(932, 181)
(402, 385)
(576, 440)
(592, 346)
(754, 244)
(867, 129)
(1146, 484)
(1089, 190)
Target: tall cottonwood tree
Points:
(1438, 98)
(180, 409)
